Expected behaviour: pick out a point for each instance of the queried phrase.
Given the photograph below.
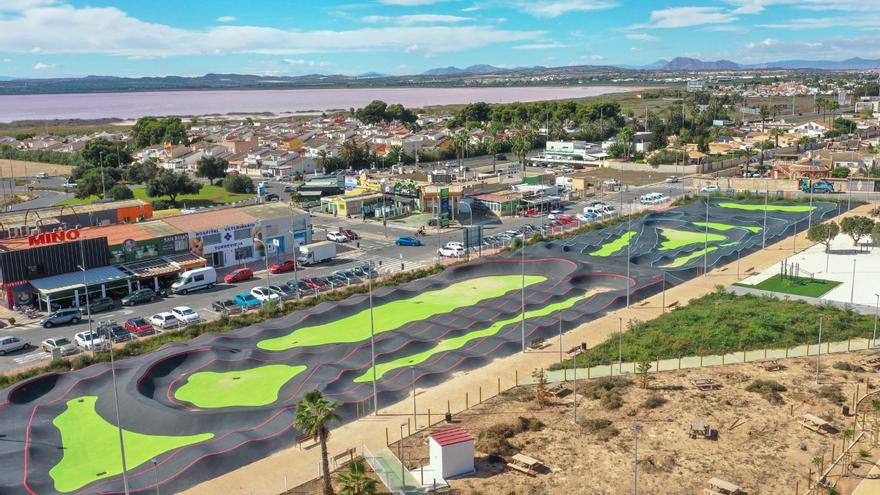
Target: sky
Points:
(61, 38)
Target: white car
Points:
(12, 344)
(611, 183)
(336, 237)
(672, 179)
(554, 214)
(264, 294)
(63, 344)
(711, 189)
(89, 340)
(185, 314)
(164, 320)
(455, 244)
(580, 217)
(451, 251)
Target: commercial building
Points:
(54, 267)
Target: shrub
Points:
(611, 401)
(831, 393)
(654, 401)
(120, 192)
(494, 439)
(238, 183)
(598, 388)
(769, 389)
(601, 428)
(845, 366)
(161, 204)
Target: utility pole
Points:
(373, 344)
(523, 293)
(706, 242)
(636, 428)
(819, 351)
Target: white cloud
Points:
(556, 8)
(550, 45)
(816, 23)
(473, 8)
(642, 37)
(42, 66)
(837, 48)
(636, 49)
(409, 20)
(20, 5)
(758, 6)
(307, 63)
(679, 17)
(410, 3)
(766, 43)
(7, 60)
(227, 18)
(111, 31)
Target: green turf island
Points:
(91, 446)
(760, 207)
(395, 314)
(614, 246)
(683, 260)
(798, 286)
(674, 239)
(456, 343)
(246, 388)
(724, 227)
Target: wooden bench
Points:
(345, 454)
(301, 439)
(704, 382)
(525, 464)
(721, 487)
(770, 365)
(816, 424)
(872, 361)
(537, 343)
(674, 305)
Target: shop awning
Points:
(187, 261)
(543, 200)
(146, 269)
(72, 281)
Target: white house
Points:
(811, 129)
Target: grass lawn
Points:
(758, 207)
(614, 246)
(208, 196)
(799, 286)
(724, 227)
(721, 323)
(395, 314)
(91, 446)
(456, 343)
(674, 239)
(246, 388)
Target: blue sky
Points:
(52, 38)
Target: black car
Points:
(101, 304)
(500, 156)
(272, 197)
(226, 306)
(116, 333)
(139, 296)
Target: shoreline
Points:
(124, 107)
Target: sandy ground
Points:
(265, 477)
(18, 168)
(760, 446)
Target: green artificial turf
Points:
(393, 315)
(91, 446)
(614, 246)
(682, 260)
(760, 207)
(799, 286)
(675, 239)
(723, 226)
(246, 388)
(456, 343)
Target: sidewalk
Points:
(462, 389)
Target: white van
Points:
(599, 211)
(198, 278)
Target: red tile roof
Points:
(451, 436)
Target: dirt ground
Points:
(18, 168)
(760, 445)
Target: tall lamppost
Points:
(706, 242)
(415, 414)
(118, 421)
(373, 340)
(523, 293)
(852, 290)
(764, 230)
(620, 346)
(82, 267)
(295, 263)
(876, 310)
(819, 351)
(156, 471)
(636, 428)
(266, 256)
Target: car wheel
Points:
(2, 352)
(27, 346)
(48, 324)
(184, 292)
(74, 320)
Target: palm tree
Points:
(460, 141)
(313, 414)
(777, 133)
(521, 147)
(765, 112)
(322, 160)
(355, 481)
(348, 151)
(492, 149)
(627, 134)
(833, 105)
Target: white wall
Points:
(452, 460)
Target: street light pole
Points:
(819, 351)
(560, 336)
(103, 188)
(156, 470)
(876, 310)
(764, 230)
(415, 414)
(118, 420)
(628, 244)
(852, 291)
(82, 267)
(706, 242)
(266, 256)
(810, 219)
(373, 344)
(620, 346)
(523, 293)
(295, 264)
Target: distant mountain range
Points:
(693, 64)
(475, 70)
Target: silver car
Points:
(12, 344)
(61, 317)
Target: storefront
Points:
(68, 290)
(225, 246)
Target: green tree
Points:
(119, 192)
(492, 147)
(354, 480)
(840, 173)
(765, 113)
(776, 133)
(844, 126)
(400, 113)
(111, 154)
(643, 367)
(460, 141)
(239, 184)
(211, 167)
(313, 415)
(141, 172)
(322, 160)
(542, 393)
(824, 233)
(148, 131)
(172, 184)
(520, 147)
(373, 113)
(91, 183)
(857, 227)
(475, 112)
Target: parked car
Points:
(101, 304)
(336, 237)
(196, 279)
(500, 157)
(672, 179)
(164, 320)
(116, 334)
(315, 283)
(284, 291)
(12, 344)
(272, 197)
(288, 189)
(337, 281)
(349, 275)
(139, 296)
(350, 234)
(451, 251)
(365, 271)
(303, 288)
(226, 306)
(711, 188)
(239, 275)
(246, 300)
(139, 326)
(63, 344)
(284, 266)
(407, 241)
(263, 294)
(554, 213)
(89, 341)
(61, 317)
(185, 314)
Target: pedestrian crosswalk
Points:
(386, 264)
(32, 357)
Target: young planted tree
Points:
(354, 480)
(857, 227)
(313, 415)
(643, 367)
(542, 394)
(824, 233)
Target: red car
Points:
(239, 275)
(314, 283)
(139, 326)
(350, 234)
(530, 212)
(285, 266)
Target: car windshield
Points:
(138, 322)
(88, 336)
(62, 342)
(118, 331)
(247, 297)
(185, 311)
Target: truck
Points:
(317, 252)
(818, 186)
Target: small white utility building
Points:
(451, 452)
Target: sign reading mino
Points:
(53, 237)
